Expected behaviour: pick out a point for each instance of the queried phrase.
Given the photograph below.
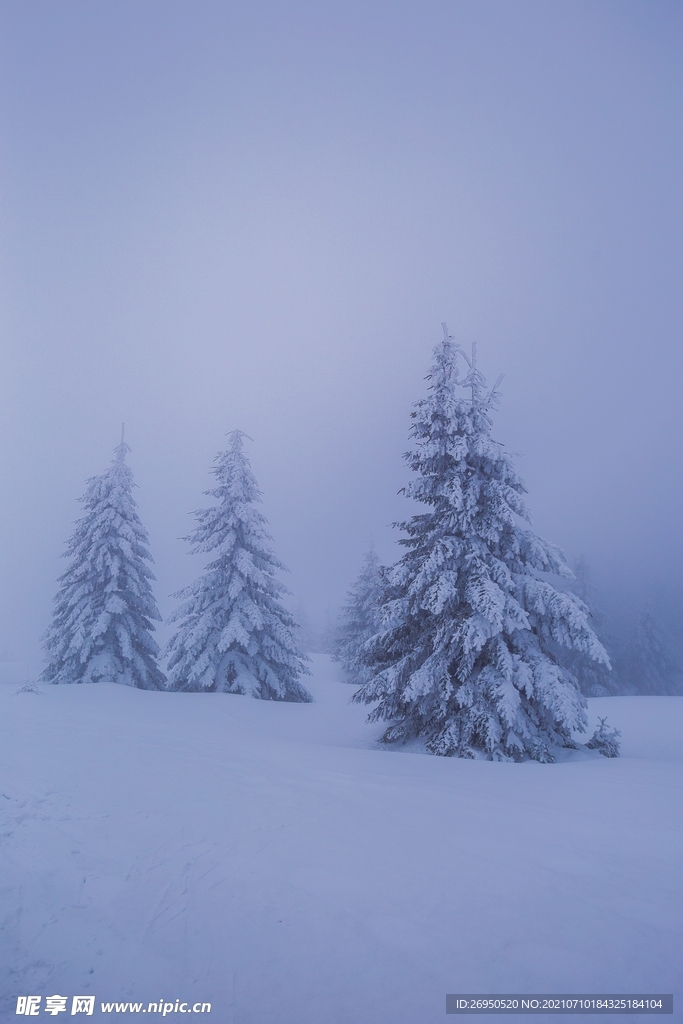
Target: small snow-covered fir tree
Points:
(234, 634)
(652, 663)
(604, 740)
(360, 618)
(464, 657)
(102, 622)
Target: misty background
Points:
(256, 216)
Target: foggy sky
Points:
(256, 216)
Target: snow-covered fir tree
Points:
(360, 618)
(103, 612)
(234, 635)
(595, 678)
(652, 664)
(464, 658)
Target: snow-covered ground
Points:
(271, 859)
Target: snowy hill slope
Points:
(273, 860)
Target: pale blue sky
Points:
(224, 215)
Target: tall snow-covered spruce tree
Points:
(102, 622)
(234, 635)
(360, 618)
(464, 658)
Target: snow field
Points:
(272, 859)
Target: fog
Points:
(256, 216)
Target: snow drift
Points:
(273, 859)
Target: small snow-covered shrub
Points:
(604, 740)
